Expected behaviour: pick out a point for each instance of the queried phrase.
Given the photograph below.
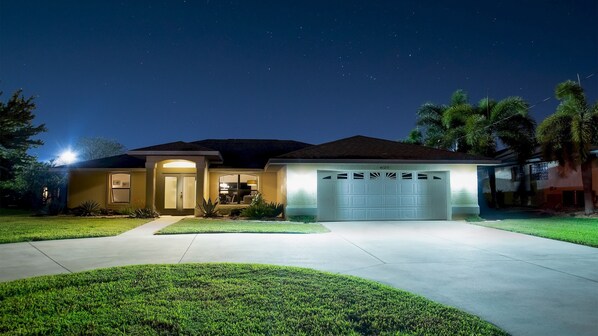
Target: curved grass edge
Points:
(223, 298)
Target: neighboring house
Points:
(357, 178)
(539, 183)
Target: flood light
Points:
(67, 157)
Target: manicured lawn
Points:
(575, 230)
(200, 225)
(222, 299)
(18, 227)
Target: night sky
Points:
(150, 72)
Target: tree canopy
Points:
(91, 148)
(568, 135)
(17, 136)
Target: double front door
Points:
(179, 193)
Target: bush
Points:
(87, 208)
(474, 218)
(208, 208)
(260, 209)
(144, 213)
(303, 219)
(230, 211)
(127, 211)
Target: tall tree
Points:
(567, 135)
(435, 131)
(478, 129)
(17, 134)
(91, 148)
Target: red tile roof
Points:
(366, 148)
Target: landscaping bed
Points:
(19, 227)
(582, 231)
(222, 299)
(203, 225)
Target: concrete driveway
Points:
(524, 284)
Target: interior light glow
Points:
(179, 164)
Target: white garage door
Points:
(382, 195)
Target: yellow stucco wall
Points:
(93, 186)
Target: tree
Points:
(41, 187)
(567, 135)
(478, 129)
(434, 131)
(17, 134)
(91, 148)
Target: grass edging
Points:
(583, 231)
(201, 225)
(223, 299)
(22, 228)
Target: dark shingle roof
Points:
(174, 146)
(118, 161)
(249, 153)
(366, 148)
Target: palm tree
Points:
(430, 120)
(567, 135)
(478, 129)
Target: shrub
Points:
(144, 213)
(259, 209)
(230, 211)
(303, 219)
(127, 211)
(87, 208)
(208, 208)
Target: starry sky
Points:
(150, 72)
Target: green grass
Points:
(582, 231)
(200, 225)
(19, 227)
(222, 299)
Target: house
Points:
(539, 183)
(356, 178)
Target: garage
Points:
(382, 195)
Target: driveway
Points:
(524, 284)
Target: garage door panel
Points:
(407, 201)
(382, 195)
(391, 201)
(374, 201)
(358, 201)
(375, 188)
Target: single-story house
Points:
(539, 183)
(356, 178)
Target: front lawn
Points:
(222, 299)
(582, 231)
(201, 225)
(19, 227)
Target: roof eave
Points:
(390, 161)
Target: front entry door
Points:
(179, 193)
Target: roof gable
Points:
(366, 148)
(250, 153)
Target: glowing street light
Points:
(67, 157)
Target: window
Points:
(237, 188)
(358, 176)
(120, 185)
(406, 176)
(392, 176)
(421, 176)
(539, 171)
(374, 175)
(341, 176)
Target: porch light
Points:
(179, 164)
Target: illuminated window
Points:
(120, 187)
(237, 188)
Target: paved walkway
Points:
(524, 284)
